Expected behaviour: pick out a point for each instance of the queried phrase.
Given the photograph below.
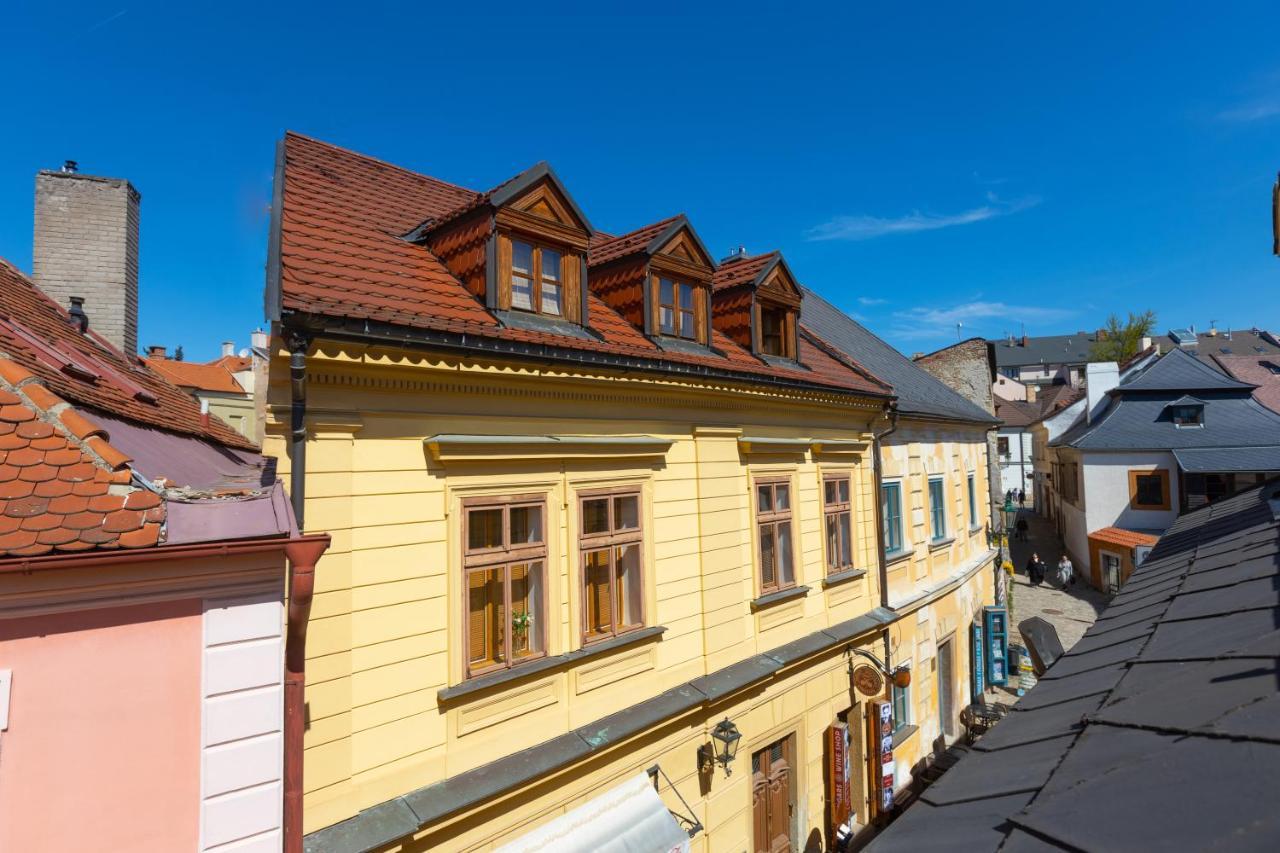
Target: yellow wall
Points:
(237, 411)
(386, 623)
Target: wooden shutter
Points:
(504, 272)
(570, 286)
(779, 800)
(760, 809)
(599, 605)
(478, 617)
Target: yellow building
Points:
(591, 497)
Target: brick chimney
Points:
(86, 245)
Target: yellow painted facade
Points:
(386, 626)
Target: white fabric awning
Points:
(630, 818)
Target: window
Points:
(973, 503)
(839, 522)
(891, 506)
(1069, 483)
(775, 332)
(676, 314)
(536, 279)
(1149, 489)
(1002, 445)
(773, 523)
(901, 706)
(938, 509)
(612, 586)
(1187, 416)
(504, 559)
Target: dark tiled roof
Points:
(1017, 413)
(1242, 342)
(35, 333)
(1178, 371)
(918, 391)
(1046, 349)
(342, 257)
(1158, 730)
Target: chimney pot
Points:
(79, 319)
(156, 351)
(228, 348)
(259, 339)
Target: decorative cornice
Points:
(776, 446)
(840, 446)
(495, 448)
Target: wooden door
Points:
(771, 797)
(946, 686)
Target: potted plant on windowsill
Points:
(521, 622)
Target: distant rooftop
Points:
(1074, 349)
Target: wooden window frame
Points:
(507, 279)
(773, 519)
(1165, 502)
(900, 722)
(937, 509)
(700, 300)
(610, 540)
(501, 558)
(788, 331)
(831, 510)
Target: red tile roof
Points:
(234, 363)
(88, 371)
(741, 271)
(1124, 538)
(605, 248)
(202, 377)
(342, 256)
(63, 487)
(1256, 370)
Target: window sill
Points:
(938, 544)
(897, 556)
(842, 576)
(517, 673)
(974, 529)
(901, 735)
(777, 597)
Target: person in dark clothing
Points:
(1021, 528)
(1022, 498)
(1035, 569)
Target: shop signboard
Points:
(996, 631)
(880, 725)
(839, 776)
(978, 666)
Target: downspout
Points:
(303, 553)
(891, 410)
(298, 343)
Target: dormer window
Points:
(1188, 416)
(536, 279)
(677, 315)
(776, 332)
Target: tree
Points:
(1122, 340)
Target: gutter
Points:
(298, 343)
(877, 465)
(133, 556)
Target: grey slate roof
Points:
(919, 392)
(1046, 349)
(1197, 460)
(1159, 730)
(1243, 342)
(1137, 416)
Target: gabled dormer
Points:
(756, 303)
(659, 278)
(521, 248)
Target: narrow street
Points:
(1071, 611)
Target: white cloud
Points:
(1256, 111)
(871, 300)
(925, 323)
(864, 227)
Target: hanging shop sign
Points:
(867, 681)
(839, 776)
(880, 726)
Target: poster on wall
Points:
(882, 763)
(978, 667)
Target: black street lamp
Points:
(726, 736)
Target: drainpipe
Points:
(298, 343)
(891, 410)
(303, 553)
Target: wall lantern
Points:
(900, 676)
(726, 737)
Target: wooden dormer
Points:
(659, 278)
(756, 303)
(520, 248)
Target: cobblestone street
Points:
(1071, 611)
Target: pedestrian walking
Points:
(1066, 572)
(1021, 528)
(1022, 498)
(1035, 569)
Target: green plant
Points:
(1122, 340)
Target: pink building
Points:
(144, 554)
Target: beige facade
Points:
(385, 649)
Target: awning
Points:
(1203, 460)
(630, 818)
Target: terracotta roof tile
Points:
(192, 374)
(1123, 537)
(342, 256)
(741, 271)
(54, 485)
(29, 321)
(605, 248)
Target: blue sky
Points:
(919, 164)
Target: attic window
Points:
(537, 278)
(1187, 416)
(679, 305)
(777, 331)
